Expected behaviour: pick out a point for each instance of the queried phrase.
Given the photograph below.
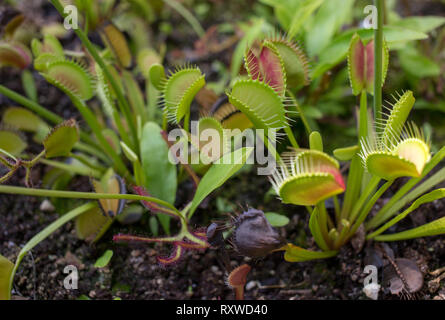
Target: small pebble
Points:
(250, 285)
(46, 206)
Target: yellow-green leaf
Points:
(6, 268)
(61, 139)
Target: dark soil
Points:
(134, 273)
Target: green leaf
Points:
(397, 117)
(216, 145)
(159, 171)
(116, 42)
(129, 153)
(131, 214)
(12, 26)
(430, 229)
(316, 141)
(219, 173)
(45, 233)
(51, 45)
(154, 226)
(418, 65)
(14, 54)
(134, 95)
(112, 139)
(29, 85)
(399, 200)
(346, 154)
(70, 77)
(103, 261)
(390, 166)
(422, 23)
(156, 75)
(12, 142)
(434, 228)
(295, 61)
(147, 58)
(260, 103)
(327, 21)
(301, 15)
(266, 64)
(337, 51)
(22, 119)
(179, 91)
(253, 30)
(91, 225)
(311, 176)
(61, 139)
(276, 219)
(314, 226)
(297, 254)
(6, 268)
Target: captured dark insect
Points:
(253, 236)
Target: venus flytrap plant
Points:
(103, 156)
(133, 152)
(13, 52)
(389, 149)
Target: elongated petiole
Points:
(187, 15)
(337, 209)
(382, 214)
(187, 122)
(356, 176)
(80, 170)
(429, 197)
(42, 112)
(363, 121)
(345, 227)
(363, 198)
(97, 129)
(31, 163)
(272, 149)
(85, 195)
(428, 184)
(300, 112)
(31, 105)
(9, 174)
(187, 168)
(42, 235)
(323, 221)
(6, 163)
(123, 104)
(85, 148)
(6, 153)
(84, 160)
(378, 60)
(19, 163)
(120, 128)
(352, 186)
(367, 208)
(291, 137)
(131, 238)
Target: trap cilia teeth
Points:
(307, 177)
(398, 149)
(178, 91)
